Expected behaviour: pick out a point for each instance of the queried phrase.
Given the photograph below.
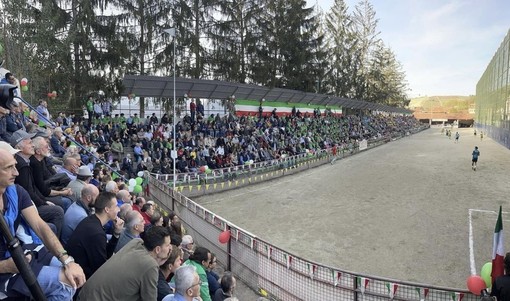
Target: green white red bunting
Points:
(288, 260)
(311, 269)
(498, 250)
(269, 250)
(336, 277)
(362, 283)
(422, 293)
(457, 296)
(392, 289)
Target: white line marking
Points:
(471, 249)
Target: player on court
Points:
(476, 154)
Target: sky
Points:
(444, 46)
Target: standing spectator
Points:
(90, 110)
(98, 111)
(193, 110)
(42, 110)
(88, 244)
(132, 273)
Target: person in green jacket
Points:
(200, 260)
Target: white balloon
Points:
(132, 182)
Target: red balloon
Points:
(202, 168)
(476, 284)
(225, 237)
(50, 94)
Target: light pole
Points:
(172, 33)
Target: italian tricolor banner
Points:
(392, 289)
(362, 283)
(422, 292)
(498, 252)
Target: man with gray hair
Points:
(187, 284)
(111, 186)
(134, 227)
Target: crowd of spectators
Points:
(72, 169)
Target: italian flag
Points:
(498, 253)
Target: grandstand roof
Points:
(163, 86)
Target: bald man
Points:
(79, 210)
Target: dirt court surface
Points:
(399, 211)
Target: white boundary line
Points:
(471, 241)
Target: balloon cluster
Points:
(135, 185)
(205, 169)
(24, 84)
(52, 95)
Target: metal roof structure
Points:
(163, 86)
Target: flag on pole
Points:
(498, 252)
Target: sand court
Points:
(408, 210)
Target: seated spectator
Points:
(187, 246)
(88, 244)
(50, 213)
(79, 210)
(166, 272)
(212, 277)
(139, 202)
(69, 167)
(112, 187)
(132, 273)
(56, 272)
(124, 209)
(42, 178)
(123, 197)
(147, 212)
(187, 284)
(228, 285)
(57, 149)
(200, 260)
(134, 227)
(83, 177)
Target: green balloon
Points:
(208, 171)
(486, 273)
(139, 181)
(1, 49)
(137, 189)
